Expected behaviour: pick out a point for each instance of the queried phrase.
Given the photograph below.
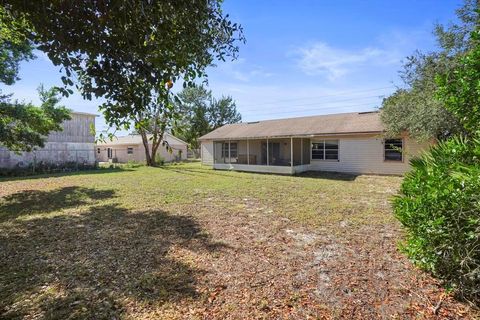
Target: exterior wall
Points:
(77, 129)
(365, 155)
(74, 144)
(120, 152)
(358, 154)
(206, 151)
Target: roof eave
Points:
(296, 135)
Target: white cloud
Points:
(322, 59)
(241, 71)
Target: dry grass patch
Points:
(188, 242)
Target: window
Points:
(325, 150)
(233, 149)
(318, 151)
(109, 153)
(129, 150)
(98, 150)
(393, 149)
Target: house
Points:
(347, 142)
(75, 144)
(130, 148)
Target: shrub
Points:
(439, 205)
(44, 167)
(133, 164)
(159, 160)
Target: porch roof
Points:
(332, 124)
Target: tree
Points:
(438, 202)
(151, 123)
(192, 106)
(127, 51)
(415, 108)
(23, 126)
(223, 111)
(459, 89)
(14, 47)
(200, 113)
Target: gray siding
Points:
(74, 144)
(78, 129)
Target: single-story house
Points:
(131, 148)
(75, 144)
(346, 142)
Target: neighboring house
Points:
(130, 148)
(347, 142)
(74, 145)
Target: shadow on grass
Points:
(99, 263)
(328, 175)
(308, 174)
(36, 201)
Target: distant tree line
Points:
(201, 113)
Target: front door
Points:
(109, 153)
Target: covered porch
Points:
(288, 155)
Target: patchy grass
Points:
(184, 241)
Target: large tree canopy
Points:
(14, 47)
(459, 89)
(127, 51)
(23, 126)
(415, 107)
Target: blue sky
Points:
(301, 57)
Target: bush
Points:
(439, 205)
(159, 160)
(44, 167)
(132, 164)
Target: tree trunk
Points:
(148, 157)
(156, 144)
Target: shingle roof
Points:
(133, 139)
(342, 123)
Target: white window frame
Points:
(324, 150)
(402, 153)
(128, 150)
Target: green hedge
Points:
(439, 206)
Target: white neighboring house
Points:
(75, 144)
(346, 142)
(130, 148)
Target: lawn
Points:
(185, 241)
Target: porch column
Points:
(268, 163)
(229, 156)
(248, 152)
(301, 151)
(214, 153)
(291, 152)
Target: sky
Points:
(300, 57)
